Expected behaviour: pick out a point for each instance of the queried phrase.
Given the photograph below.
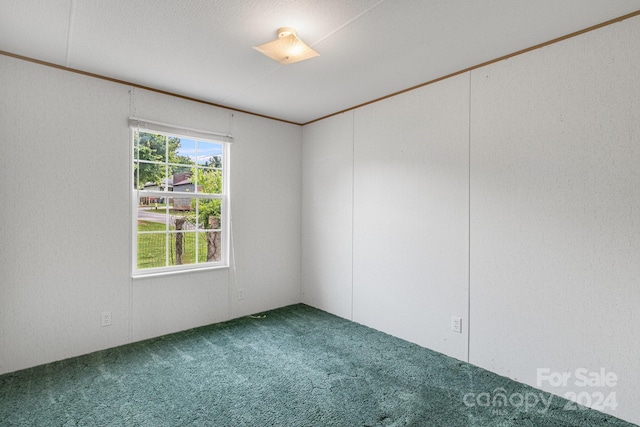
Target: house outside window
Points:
(180, 198)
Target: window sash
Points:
(223, 229)
(180, 194)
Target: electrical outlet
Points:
(240, 294)
(456, 324)
(106, 318)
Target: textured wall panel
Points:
(266, 180)
(327, 212)
(67, 226)
(65, 252)
(410, 215)
(555, 179)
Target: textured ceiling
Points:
(369, 48)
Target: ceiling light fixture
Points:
(287, 48)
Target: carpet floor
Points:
(294, 366)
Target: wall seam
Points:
(72, 14)
(353, 204)
(469, 227)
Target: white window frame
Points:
(142, 125)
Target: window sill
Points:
(145, 275)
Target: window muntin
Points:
(180, 195)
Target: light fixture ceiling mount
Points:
(287, 48)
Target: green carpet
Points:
(296, 366)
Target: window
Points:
(180, 198)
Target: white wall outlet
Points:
(456, 324)
(106, 318)
(240, 294)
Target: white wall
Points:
(66, 218)
(65, 224)
(410, 215)
(555, 212)
(388, 184)
(327, 213)
(546, 147)
(266, 208)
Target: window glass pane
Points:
(149, 155)
(182, 151)
(146, 174)
(210, 180)
(152, 250)
(209, 214)
(210, 246)
(182, 206)
(182, 244)
(148, 146)
(152, 213)
(181, 179)
(209, 154)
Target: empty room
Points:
(320, 213)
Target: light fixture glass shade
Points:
(287, 49)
